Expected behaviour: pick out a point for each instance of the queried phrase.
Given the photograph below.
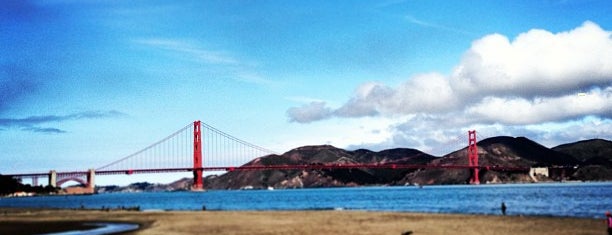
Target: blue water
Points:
(588, 200)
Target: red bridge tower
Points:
(198, 183)
(473, 157)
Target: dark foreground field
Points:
(24, 221)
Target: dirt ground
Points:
(23, 221)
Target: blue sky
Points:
(83, 83)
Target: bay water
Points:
(586, 200)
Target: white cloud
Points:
(367, 100)
(433, 135)
(535, 78)
(309, 112)
(425, 93)
(503, 85)
(536, 63)
(538, 110)
(429, 93)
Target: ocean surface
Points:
(587, 200)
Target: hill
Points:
(496, 151)
(594, 155)
(322, 154)
(179, 185)
(595, 151)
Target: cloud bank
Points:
(500, 86)
(537, 77)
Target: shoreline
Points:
(137, 209)
(297, 222)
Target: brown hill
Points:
(589, 152)
(497, 151)
(322, 154)
(520, 151)
(595, 156)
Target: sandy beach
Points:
(33, 221)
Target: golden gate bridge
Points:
(199, 147)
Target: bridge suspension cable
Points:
(173, 151)
(222, 149)
(176, 151)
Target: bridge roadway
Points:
(278, 167)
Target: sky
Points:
(83, 83)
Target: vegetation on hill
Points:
(518, 152)
(594, 155)
(322, 154)
(595, 151)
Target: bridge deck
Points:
(279, 167)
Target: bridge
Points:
(199, 147)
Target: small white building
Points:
(539, 171)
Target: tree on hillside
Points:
(10, 185)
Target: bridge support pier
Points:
(198, 183)
(53, 178)
(91, 179)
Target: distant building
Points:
(543, 171)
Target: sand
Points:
(296, 222)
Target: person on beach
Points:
(609, 222)
(503, 208)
